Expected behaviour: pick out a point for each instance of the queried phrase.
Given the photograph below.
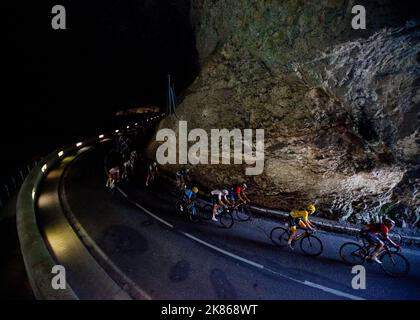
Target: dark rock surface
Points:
(340, 107)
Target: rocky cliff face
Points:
(340, 107)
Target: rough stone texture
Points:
(339, 107)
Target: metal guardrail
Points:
(36, 256)
(12, 183)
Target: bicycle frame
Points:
(367, 247)
(303, 234)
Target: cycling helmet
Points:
(311, 207)
(195, 190)
(389, 222)
(225, 192)
(244, 185)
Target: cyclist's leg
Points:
(292, 230)
(213, 209)
(111, 179)
(378, 249)
(302, 224)
(369, 246)
(373, 241)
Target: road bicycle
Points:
(223, 214)
(241, 212)
(393, 263)
(150, 178)
(111, 185)
(309, 244)
(190, 210)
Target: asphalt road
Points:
(170, 258)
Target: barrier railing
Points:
(36, 256)
(12, 183)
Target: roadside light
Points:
(44, 168)
(128, 127)
(79, 144)
(101, 136)
(116, 131)
(60, 154)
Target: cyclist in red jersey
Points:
(240, 194)
(376, 234)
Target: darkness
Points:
(61, 85)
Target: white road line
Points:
(317, 286)
(122, 192)
(232, 255)
(333, 291)
(153, 215)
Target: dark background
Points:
(61, 85)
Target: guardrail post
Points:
(7, 190)
(14, 182)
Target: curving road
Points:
(150, 252)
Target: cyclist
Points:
(128, 169)
(113, 176)
(181, 177)
(219, 198)
(188, 197)
(152, 172)
(133, 156)
(240, 194)
(299, 218)
(375, 234)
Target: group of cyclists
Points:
(376, 234)
(230, 197)
(114, 173)
(225, 197)
(128, 159)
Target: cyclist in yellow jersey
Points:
(299, 218)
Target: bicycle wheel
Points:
(226, 220)
(352, 253)
(279, 236)
(193, 214)
(394, 264)
(242, 213)
(311, 245)
(179, 207)
(205, 212)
